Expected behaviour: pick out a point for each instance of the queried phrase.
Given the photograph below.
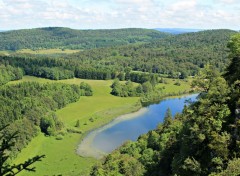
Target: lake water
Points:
(129, 127)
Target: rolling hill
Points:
(184, 53)
(66, 38)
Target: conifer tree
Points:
(6, 143)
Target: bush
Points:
(59, 137)
(73, 130)
(177, 83)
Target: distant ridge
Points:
(176, 31)
(66, 38)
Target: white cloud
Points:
(183, 5)
(227, 2)
(119, 13)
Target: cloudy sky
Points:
(99, 14)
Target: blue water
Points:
(111, 138)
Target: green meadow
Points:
(48, 51)
(92, 112)
(170, 87)
(40, 51)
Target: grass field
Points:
(169, 86)
(47, 51)
(101, 108)
(40, 51)
(4, 53)
(60, 154)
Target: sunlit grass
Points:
(92, 112)
(61, 158)
(48, 51)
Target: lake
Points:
(129, 127)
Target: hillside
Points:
(183, 54)
(66, 38)
(175, 56)
(203, 140)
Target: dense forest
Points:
(203, 140)
(9, 73)
(66, 38)
(30, 108)
(181, 54)
(175, 56)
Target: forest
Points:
(66, 38)
(30, 107)
(203, 140)
(175, 57)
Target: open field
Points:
(60, 154)
(40, 51)
(4, 53)
(92, 112)
(169, 86)
(48, 51)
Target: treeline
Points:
(175, 57)
(30, 107)
(54, 73)
(9, 73)
(203, 140)
(148, 92)
(58, 69)
(146, 85)
(66, 38)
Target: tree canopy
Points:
(203, 140)
(66, 38)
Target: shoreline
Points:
(85, 149)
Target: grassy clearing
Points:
(169, 86)
(41, 51)
(92, 112)
(48, 51)
(4, 53)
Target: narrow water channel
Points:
(128, 127)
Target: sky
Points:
(112, 14)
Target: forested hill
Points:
(203, 140)
(184, 54)
(58, 37)
(176, 57)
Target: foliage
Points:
(203, 140)
(66, 38)
(7, 141)
(168, 117)
(61, 158)
(232, 168)
(175, 56)
(29, 107)
(9, 73)
(124, 90)
(234, 45)
(232, 74)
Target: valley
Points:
(58, 86)
(102, 107)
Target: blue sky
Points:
(102, 14)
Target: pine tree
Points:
(77, 124)
(6, 144)
(168, 117)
